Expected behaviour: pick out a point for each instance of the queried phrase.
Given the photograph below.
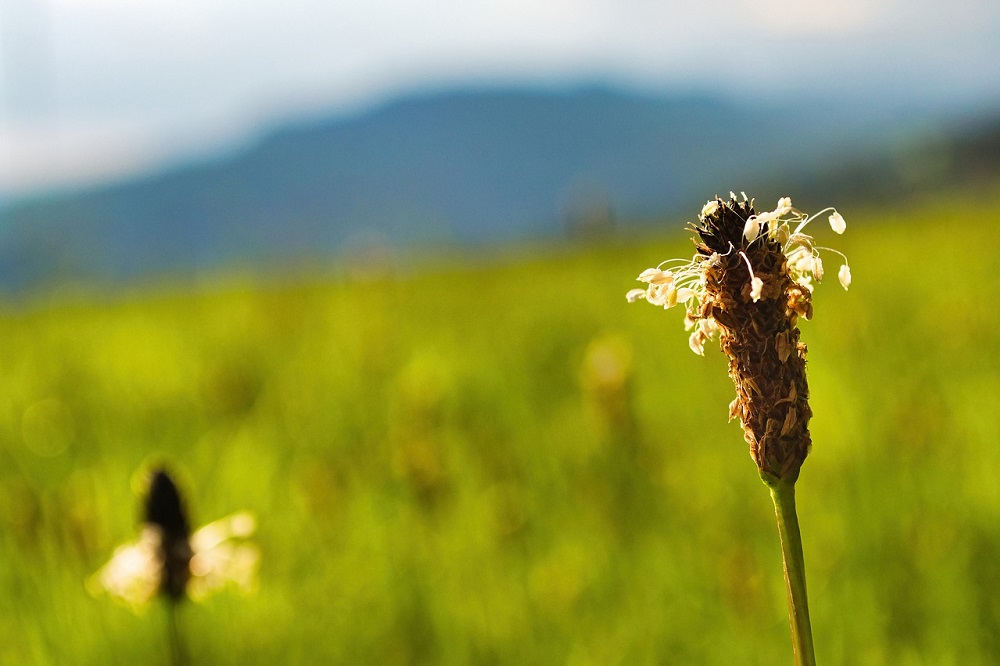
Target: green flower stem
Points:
(783, 495)
(177, 655)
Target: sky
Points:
(94, 89)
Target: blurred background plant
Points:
(169, 561)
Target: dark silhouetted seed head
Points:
(165, 511)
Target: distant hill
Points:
(460, 167)
(952, 154)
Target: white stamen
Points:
(656, 276)
(635, 295)
(697, 343)
(756, 284)
(837, 222)
(844, 275)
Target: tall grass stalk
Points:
(750, 282)
(783, 496)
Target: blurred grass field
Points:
(501, 462)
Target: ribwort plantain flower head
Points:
(750, 280)
(168, 559)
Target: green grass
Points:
(440, 480)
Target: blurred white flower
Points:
(167, 560)
(134, 573)
(220, 556)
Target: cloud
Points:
(780, 19)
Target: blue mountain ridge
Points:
(463, 167)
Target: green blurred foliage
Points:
(501, 462)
